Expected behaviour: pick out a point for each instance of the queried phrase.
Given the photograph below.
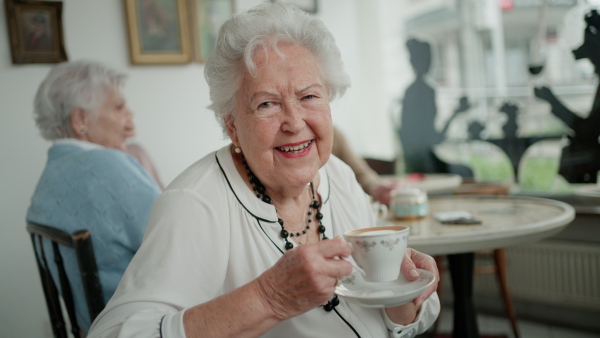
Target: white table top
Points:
(506, 220)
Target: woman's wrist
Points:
(220, 316)
(403, 314)
(265, 298)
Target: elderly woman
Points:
(89, 182)
(245, 242)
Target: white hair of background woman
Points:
(259, 28)
(69, 86)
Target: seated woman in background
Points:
(138, 152)
(89, 182)
(238, 245)
(373, 184)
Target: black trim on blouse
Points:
(236, 196)
(347, 323)
(259, 219)
(269, 237)
(160, 328)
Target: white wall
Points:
(171, 119)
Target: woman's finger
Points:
(337, 247)
(414, 260)
(408, 267)
(338, 267)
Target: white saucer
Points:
(355, 289)
(592, 190)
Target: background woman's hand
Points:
(414, 259)
(305, 277)
(382, 193)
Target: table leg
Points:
(465, 317)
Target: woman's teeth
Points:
(295, 149)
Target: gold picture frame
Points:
(206, 17)
(35, 31)
(309, 6)
(158, 31)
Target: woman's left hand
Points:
(414, 259)
(407, 313)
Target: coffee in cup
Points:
(379, 251)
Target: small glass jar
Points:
(409, 203)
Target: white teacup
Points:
(378, 251)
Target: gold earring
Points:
(83, 129)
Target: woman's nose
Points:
(293, 117)
(130, 124)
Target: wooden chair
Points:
(81, 242)
(382, 167)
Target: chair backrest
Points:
(81, 242)
(382, 167)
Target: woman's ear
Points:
(78, 121)
(231, 130)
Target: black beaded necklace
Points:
(260, 191)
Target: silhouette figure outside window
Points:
(511, 144)
(417, 131)
(580, 159)
(474, 130)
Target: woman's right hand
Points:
(305, 277)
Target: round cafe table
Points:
(505, 221)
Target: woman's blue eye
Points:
(308, 97)
(265, 105)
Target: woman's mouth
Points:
(295, 149)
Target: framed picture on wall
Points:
(206, 17)
(158, 31)
(35, 31)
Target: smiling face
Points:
(113, 124)
(282, 121)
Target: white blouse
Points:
(208, 234)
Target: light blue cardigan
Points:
(106, 191)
